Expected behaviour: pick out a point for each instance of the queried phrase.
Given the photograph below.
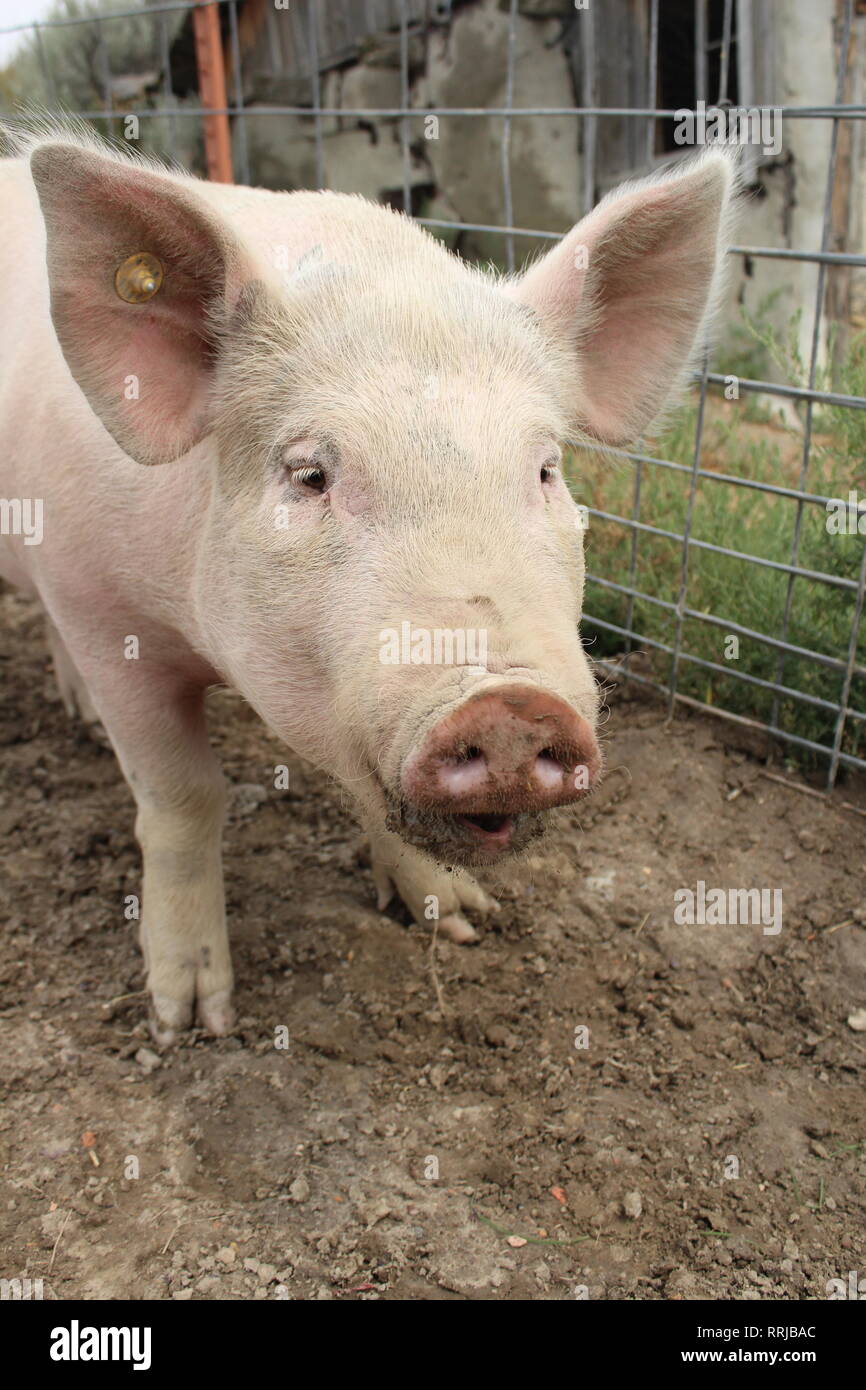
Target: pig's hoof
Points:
(216, 1013)
(420, 883)
(458, 929)
(169, 1018)
(469, 894)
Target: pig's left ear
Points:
(629, 288)
(140, 274)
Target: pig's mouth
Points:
(467, 839)
(490, 831)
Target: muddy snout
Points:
(501, 758)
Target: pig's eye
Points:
(309, 476)
(548, 472)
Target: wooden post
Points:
(212, 91)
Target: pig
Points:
(281, 442)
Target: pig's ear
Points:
(630, 288)
(140, 274)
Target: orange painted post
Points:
(212, 90)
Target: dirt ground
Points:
(239, 1169)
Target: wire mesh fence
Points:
(809, 695)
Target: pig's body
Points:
(318, 359)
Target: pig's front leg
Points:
(157, 727)
(430, 891)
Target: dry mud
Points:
(432, 1130)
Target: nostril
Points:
(463, 771)
(549, 771)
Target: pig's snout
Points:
(503, 753)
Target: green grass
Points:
(739, 439)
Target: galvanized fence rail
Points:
(411, 16)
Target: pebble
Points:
(148, 1060)
(632, 1205)
(300, 1189)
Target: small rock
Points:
(632, 1205)
(374, 1211)
(300, 1189)
(438, 1076)
(714, 1219)
(602, 885)
(770, 1044)
(681, 1281)
(857, 1021)
(227, 1255)
(247, 797)
(148, 1061)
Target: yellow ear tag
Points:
(139, 278)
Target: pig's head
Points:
(391, 565)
